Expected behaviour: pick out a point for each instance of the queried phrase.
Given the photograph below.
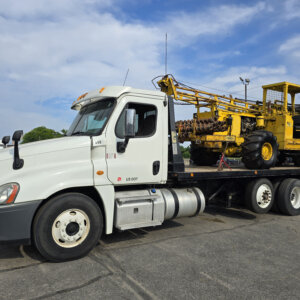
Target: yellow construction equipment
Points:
(253, 130)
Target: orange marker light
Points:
(192, 174)
(101, 90)
(13, 194)
(100, 172)
(82, 96)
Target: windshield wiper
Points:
(78, 133)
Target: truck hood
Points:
(45, 156)
(42, 147)
(49, 166)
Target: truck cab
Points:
(140, 158)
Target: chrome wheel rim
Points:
(264, 196)
(295, 197)
(71, 228)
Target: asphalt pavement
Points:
(221, 254)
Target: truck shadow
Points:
(21, 253)
(138, 233)
(234, 212)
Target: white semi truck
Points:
(119, 166)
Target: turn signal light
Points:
(8, 193)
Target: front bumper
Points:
(16, 220)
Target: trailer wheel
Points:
(67, 227)
(289, 197)
(260, 150)
(202, 157)
(259, 195)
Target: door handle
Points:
(156, 166)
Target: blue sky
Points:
(53, 51)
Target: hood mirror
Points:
(5, 140)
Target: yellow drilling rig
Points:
(253, 130)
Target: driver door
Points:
(142, 160)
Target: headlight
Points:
(8, 193)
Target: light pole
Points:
(245, 83)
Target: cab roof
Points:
(292, 87)
(111, 92)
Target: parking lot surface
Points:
(223, 253)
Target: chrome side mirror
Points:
(130, 123)
(129, 129)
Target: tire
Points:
(201, 157)
(289, 197)
(259, 195)
(67, 227)
(260, 150)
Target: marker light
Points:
(101, 90)
(82, 96)
(8, 193)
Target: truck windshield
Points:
(92, 118)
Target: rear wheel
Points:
(260, 150)
(202, 157)
(289, 197)
(67, 227)
(259, 195)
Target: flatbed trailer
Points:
(196, 173)
(120, 167)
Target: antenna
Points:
(126, 77)
(166, 54)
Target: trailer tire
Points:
(259, 195)
(67, 227)
(289, 197)
(260, 150)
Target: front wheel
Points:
(67, 227)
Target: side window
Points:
(145, 120)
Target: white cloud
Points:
(292, 9)
(216, 20)
(291, 47)
(65, 47)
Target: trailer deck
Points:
(211, 172)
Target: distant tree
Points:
(39, 134)
(64, 131)
(185, 151)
